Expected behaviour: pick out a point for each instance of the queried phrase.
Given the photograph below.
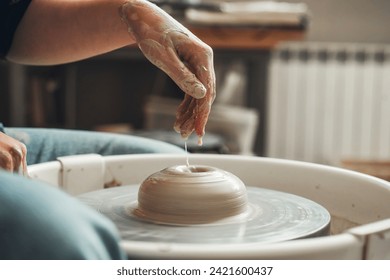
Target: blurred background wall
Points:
(348, 20)
(329, 96)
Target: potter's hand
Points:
(12, 154)
(181, 55)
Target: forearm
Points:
(60, 31)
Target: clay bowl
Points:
(191, 195)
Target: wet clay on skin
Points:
(180, 54)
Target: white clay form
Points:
(192, 195)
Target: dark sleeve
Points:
(11, 12)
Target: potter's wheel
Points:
(359, 205)
(272, 216)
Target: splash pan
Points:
(272, 217)
(358, 205)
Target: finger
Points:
(6, 161)
(204, 108)
(24, 168)
(199, 60)
(185, 116)
(202, 66)
(184, 105)
(24, 160)
(187, 127)
(199, 108)
(167, 60)
(203, 112)
(206, 74)
(184, 113)
(17, 156)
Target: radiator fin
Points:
(329, 102)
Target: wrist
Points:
(143, 17)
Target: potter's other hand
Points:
(12, 154)
(181, 55)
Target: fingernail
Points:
(176, 127)
(199, 91)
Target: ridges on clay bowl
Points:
(192, 195)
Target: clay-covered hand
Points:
(181, 55)
(12, 154)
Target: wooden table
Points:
(246, 38)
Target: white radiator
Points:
(329, 102)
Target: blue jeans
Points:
(47, 144)
(38, 221)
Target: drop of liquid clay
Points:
(187, 157)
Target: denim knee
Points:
(38, 221)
